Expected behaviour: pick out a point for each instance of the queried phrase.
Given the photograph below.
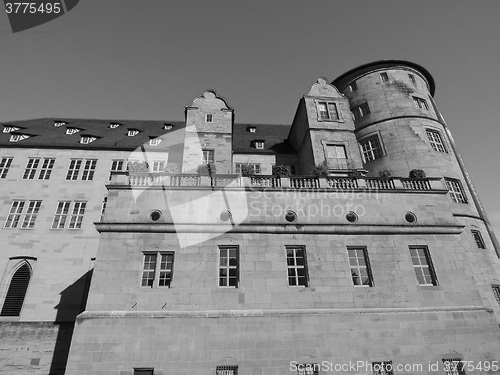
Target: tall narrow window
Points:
(166, 269)
(4, 166)
(61, 215)
(422, 265)
(435, 140)
(14, 214)
(360, 266)
(31, 214)
(352, 87)
(457, 193)
(454, 366)
(371, 148)
(116, 166)
(30, 171)
(228, 266)
(420, 103)
(496, 292)
(360, 110)
(209, 117)
(17, 292)
(148, 270)
(74, 169)
(297, 266)
(412, 78)
(103, 208)
(46, 170)
(207, 157)
(384, 77)
(478, 238)
(77, 215)
(89, 169)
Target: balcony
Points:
(136, 179)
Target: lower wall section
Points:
(272, 342)
(34, 347)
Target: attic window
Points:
(70, 131)
(154, 141)
(132, 132)
(86, 139)
(59, 123)
(10, 129)
(18, 137)
(113, 125)
(167, 126)
(258, 145)
(251, 129)
(209, 117)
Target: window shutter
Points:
(17, 291)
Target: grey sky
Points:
(131, 59)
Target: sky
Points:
(131, 59)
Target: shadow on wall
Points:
(73, 302)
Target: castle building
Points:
(350, 241)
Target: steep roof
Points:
(274, 137)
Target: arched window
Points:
(17, 291)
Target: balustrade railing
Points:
(299, 182)
(379, 183)
(231, 180)
(342, 182)
(265, 181)
(416, 184)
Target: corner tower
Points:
(399, 129)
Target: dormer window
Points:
(209, 117)
(132, 132)
(59, 123)
(258, 145)
(251, 129)
(18, 137)
(10, 129)
(154, 141)
(86, 139)
(70, 131)
(167, 126)
(327, 111)
(114, 125)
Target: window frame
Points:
(295, 267)
(360, 110)
(77, 215)
(23, 263)
(210, 153)
(88, 169)
(358, 267)
(228, 267)
(74, 169)
(370, 154)
(384, 77)
(382, 368)
(412, 78)
(456, 369)
(255, 166)
(456, 190)
(226, 370)
(308, 369)
(420, 103)
(154, 141)
(429, 265)
(209, 118)
(87, 139)
(436, 140)
(478, 239)
(330, 111)
(46, 168)
(5, 164)
(32, 211)
(61, 215)
(259, 144)
(496, 292)
(353, 86)
(157, 270)
(132, 132)
(31, 168)
(15, 212)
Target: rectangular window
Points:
(86, 139)
(208, 157)
(420, 103)
(412, 78)
(308, 369)
(360, 267)
(422, 265)
(154, 141)
(382, 368)
(360, 110)
(228, 266)
(258, 145)
(77, 215)
(479, 239)
(254, 166)
(209, 117)
(496, 292)
(14, 214)
(454, 366)
(157, 166)
(457, 193)
(327, 111)
(74, 169)
(164, 269)
(4, 166)
(436, 140)
(103, 208)
(335, 152)
(384, 77)
(371, 148)
(297, 266)
(116, 166)
(31, 167)
(46, 170)
(61, 214)
(226, 370)
(89, 169)
(10, 129)
(71, 131)
(132, 132)
(31, 214)
(144, 371)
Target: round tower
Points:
(399, 129)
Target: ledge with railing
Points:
(271, 181)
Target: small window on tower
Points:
(209, 117)
(384, 77)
